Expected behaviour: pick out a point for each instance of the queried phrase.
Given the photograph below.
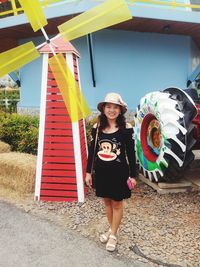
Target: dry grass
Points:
(4, 148)
(18, 171)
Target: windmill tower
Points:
(62, 147)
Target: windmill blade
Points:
(34, 12)
(74, 100)
(16, 57)
(107, 14)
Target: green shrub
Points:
(12, 97)
(20, 132)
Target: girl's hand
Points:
(88, 180)
(133, 181)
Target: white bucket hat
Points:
(113, 98)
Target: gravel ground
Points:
(160, 230)
(164, 228)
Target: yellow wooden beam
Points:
(14, 8)
(45, 3)
(174, 3)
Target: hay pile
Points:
(4, 148)
(18, 171)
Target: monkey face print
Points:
(108, 150)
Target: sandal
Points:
(112, 243)
(104, 237)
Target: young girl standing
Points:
(114, 162)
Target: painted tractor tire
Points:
(164, 134)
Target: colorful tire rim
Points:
(162, 134)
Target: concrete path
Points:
(27, 241)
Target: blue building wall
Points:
(30, 77)
(131, 63)
(194, 57)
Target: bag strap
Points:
(95, 145)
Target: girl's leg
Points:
(117, 209)
(108, 209)
(109, 213)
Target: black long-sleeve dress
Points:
(113, 150)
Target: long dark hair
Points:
(103, 122)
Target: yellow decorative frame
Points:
(47, 3)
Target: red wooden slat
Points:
(59, 132)
(54, 104)
(82, 139)
(66, 199)
(58, 166)
(82, 134)
(60, 111)
(58, 186)
(58, 159)
(84, 173)
(61, 153)
(83, 150)
(53, 90)
(84, 163)
(81, 123)
(58, 193)
(54, 97)
(56, 118)
(52, 83)
(84, 167)
(58, 146)
(83, 147)
(58, 139)
(84, 157)
(58, 180)
(50, 75)
(63, 125)
(82, 131)
(81, 128)
(58, 173)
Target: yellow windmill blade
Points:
(34, 12)
(74, 100)
(16, 57)
(107, 14)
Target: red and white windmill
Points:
(62, 147)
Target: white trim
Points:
(78, 161)
(83, 119)
(42, 125)
(77, 145)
